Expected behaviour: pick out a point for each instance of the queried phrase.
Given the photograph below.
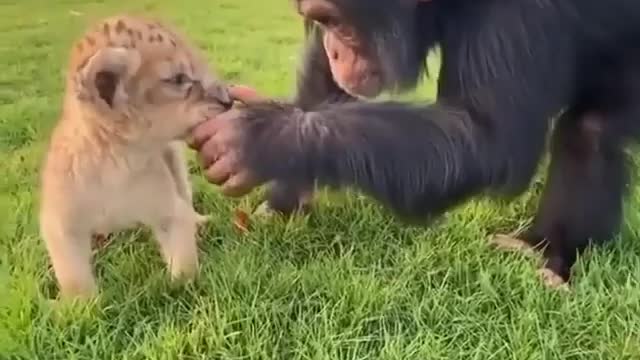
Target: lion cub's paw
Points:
(202, 219)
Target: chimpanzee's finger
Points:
(209, 153)
(220, 171)
(239, 184)
(204, 131)
(245, 94)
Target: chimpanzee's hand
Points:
(253, 143)
(217, 140)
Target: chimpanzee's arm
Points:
(416, 160)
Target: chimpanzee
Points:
(512, 70)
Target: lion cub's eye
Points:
(178, 79)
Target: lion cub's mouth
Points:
(226, 105)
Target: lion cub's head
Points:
(141, 80)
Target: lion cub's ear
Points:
(103, 75)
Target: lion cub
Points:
(134, 88)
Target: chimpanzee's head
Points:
(371, 45)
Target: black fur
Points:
(315, 87)
(508, 68)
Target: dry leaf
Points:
(101, 241)
(241, 221)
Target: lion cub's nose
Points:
(220, 93)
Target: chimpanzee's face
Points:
(370, 44)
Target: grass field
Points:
(349, 282)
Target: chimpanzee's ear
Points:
(102, 75)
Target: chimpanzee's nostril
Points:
(335, 55)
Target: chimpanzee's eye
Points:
(326, 20)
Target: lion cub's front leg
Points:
(174, 224)
(174, 157)
(176, 235)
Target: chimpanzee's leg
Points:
(582, 200)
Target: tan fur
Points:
(552, 280)
(115, 164)
(511, 243)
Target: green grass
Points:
(349, 282)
